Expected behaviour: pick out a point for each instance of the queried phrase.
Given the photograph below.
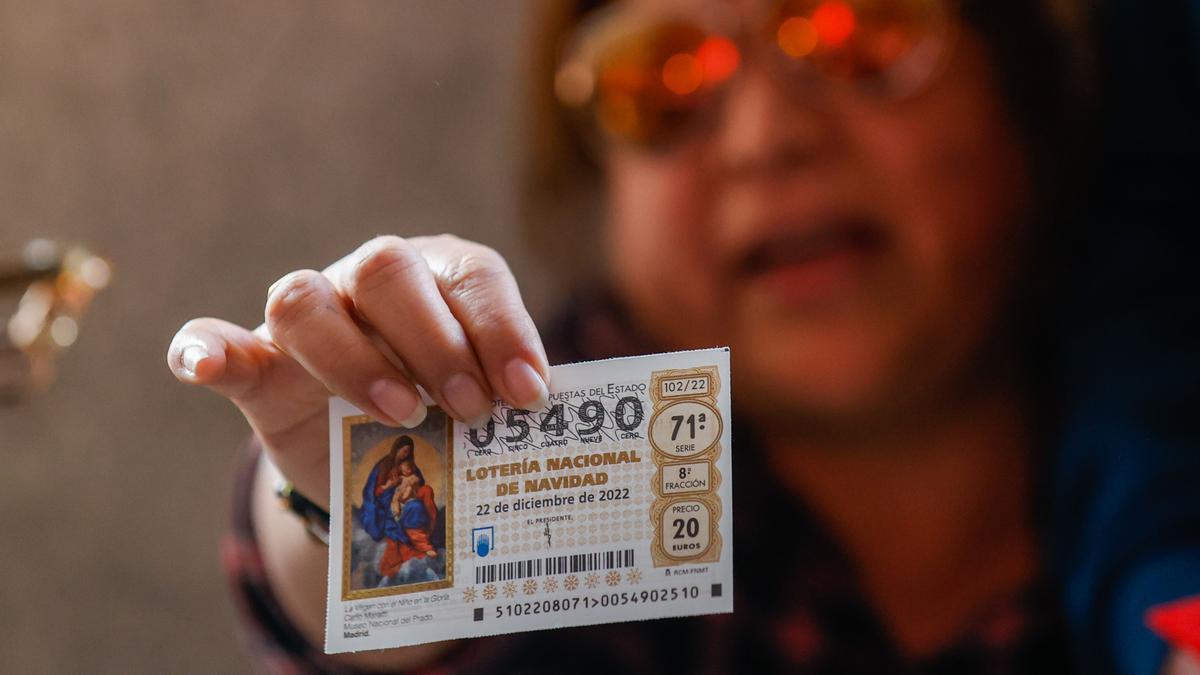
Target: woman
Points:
(857, 227)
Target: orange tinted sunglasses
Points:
(645, 78)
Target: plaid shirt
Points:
(798, 607)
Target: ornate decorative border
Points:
(708, 497)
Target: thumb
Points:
(220, 355)
(272, 389)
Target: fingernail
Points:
(398, 402)
(467, 400)
(525, 385)
(190, 358)
(275, 284)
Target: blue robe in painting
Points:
(376, 514)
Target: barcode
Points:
(560, 564)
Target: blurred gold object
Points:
(45, 288)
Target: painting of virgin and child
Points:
(398, 497)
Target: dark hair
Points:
(402, 441)
(1042, 53)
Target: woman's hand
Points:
(438, 312)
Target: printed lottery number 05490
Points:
(626, 415)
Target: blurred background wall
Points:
(207, 148)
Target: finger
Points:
(480, 291)
(392, 288)
(284, 404)
(228, 359)
(306, 318)
(272, 390)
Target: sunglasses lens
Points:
(860, 40)
(647, 85)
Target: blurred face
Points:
(853, 250)
(406, 468)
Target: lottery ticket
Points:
(611, 503)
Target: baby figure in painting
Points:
(407, 507)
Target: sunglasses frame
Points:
(596, 37)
